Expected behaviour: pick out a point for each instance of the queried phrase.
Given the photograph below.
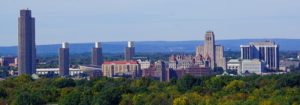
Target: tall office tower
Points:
(64, 59)
(298, 56)
(26, 47)
(161, 70)
(212, 54)
(129, 51)
(97, 58)
(266, 51)
(209, 48)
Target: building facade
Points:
(234, 64)
(193, 70)
(64, 61)
(97, 57)
(7, 61)
(252, 66)
(210, 48)
(145, 64)
(266, 51)
(129, 51)
(185, 61)
(212, 53)
(180, 65)
(26, 45)
(56, 71)
(288, 65)
(121, 69)
(160, 68)
(158, 71)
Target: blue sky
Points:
(79, 21)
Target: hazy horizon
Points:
(82, 21)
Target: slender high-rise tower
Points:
(97, 58)
(161, 70)
(26, 47)
(64, 59)
(129, 51)
(209, 48)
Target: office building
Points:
(145, 64)
(56, 71)
(250, 66)
(177, 62)
(298, 56)
(7, 61)
(160, 67)
(193, 70)
(180, 65)
(266, 51)
(288, 65)
(121, 69)
(234, 64)
(91, 70)
(129, 51)
(97, 57)
(26, 45)
(212, 53)
(64, 60)
(158, 71)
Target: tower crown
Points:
(130, 44)
(65, 45)
(97, 44)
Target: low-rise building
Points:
(91, 70)
(287, 65)
(252, 66)
(7, 61)
(145, 64)
(55, 71)
(194, 70)
(121, 69)
(177, 62)
(234, 64)
(157, 71)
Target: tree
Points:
(109, 96)
(185, 83)
(26, 98)
(24, 78)
(64, 82)
(72, 98)
(3, 93)
(180, 101)
(235, 86)
(126, 99)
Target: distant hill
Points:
(155, 46)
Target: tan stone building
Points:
(121, 69)
(211, 52)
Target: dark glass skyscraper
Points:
(26, 47)
(129, 51)
(97, 58)
(64, 60)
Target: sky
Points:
(81, 21)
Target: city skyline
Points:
(107, 21)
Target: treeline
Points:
(225, 90)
